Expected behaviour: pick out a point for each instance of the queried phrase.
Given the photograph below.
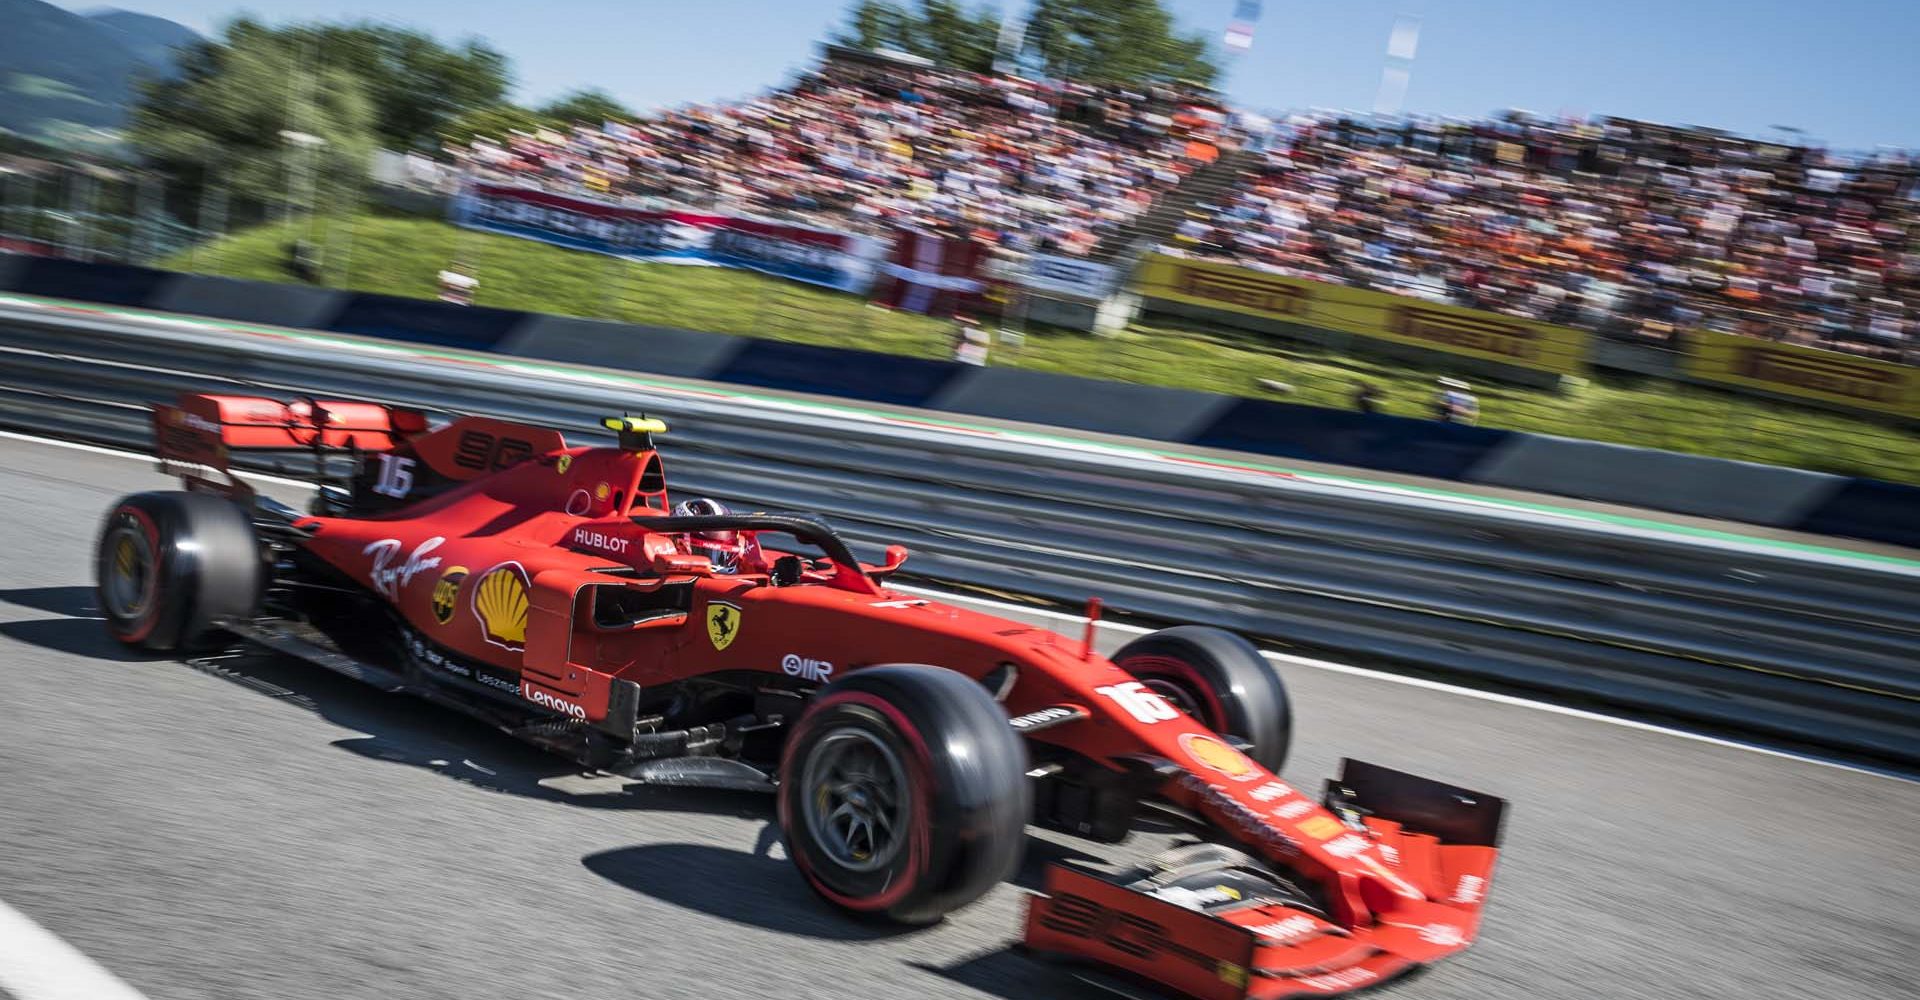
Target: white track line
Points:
(36, 965)
(1288, 658)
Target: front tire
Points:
(903, 793)
(1221, 680)
(169, 565)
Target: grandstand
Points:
(1601, 244)
(1634, 230)
(868, 142)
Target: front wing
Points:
(1197, 921)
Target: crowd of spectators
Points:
(868, 144)
(1634, 230)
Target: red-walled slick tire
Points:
(903, 793)
(1221, 680)
(169, 565)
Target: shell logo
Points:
(500, 602)
(1212, 753)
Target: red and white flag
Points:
(931, 274)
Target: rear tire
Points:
(1221, 680)
(170, 564)
(903, 793)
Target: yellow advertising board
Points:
(1378, 315)
(1804, 372)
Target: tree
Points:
(589, 106)
(416, 84)
(1116, 41)
(957, 37)
(495, 122)
(877, 24)
(940, 30)
(240, 114)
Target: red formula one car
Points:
(555, 592)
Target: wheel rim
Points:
(1178, 695)
(856, 803)
(129, 572)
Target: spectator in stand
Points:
(1634, 230)
(1637, 231)
(865, 144)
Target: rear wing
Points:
(195, 437)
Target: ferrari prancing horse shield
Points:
(723, 623)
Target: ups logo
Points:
(1834, 376)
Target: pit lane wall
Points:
(1758, 494)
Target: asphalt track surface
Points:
(259, 828)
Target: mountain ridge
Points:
(69, 79)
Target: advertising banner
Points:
(673, 236)
(1501, 340)
(1071, 276)
(1805, 372)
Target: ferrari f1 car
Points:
(553, 591)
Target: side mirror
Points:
(896, 555)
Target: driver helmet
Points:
(722, 548)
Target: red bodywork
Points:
(500, 569)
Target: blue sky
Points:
(1843, 70)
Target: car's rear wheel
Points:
(1220, 680)
(169, 565)
(903, 793)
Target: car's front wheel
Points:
(1221, 680)
(903, 793)
(169, 565)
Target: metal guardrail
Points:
(1785, 644)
